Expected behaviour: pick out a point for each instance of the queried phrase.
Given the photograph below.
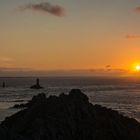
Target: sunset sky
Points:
(80, 34)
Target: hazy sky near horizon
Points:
(90, 34)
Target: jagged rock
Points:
(69, 117)
(40, 98)
(36, 87)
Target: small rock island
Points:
(37, 85)
(3, 85)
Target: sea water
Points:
(119, 93)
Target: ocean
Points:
(119, 93)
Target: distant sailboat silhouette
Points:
(37, 85)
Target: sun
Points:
(137, 67)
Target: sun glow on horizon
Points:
(136, 67)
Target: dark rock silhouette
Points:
(3, 85)
(37, 85)
(68, 117)
(40, 98)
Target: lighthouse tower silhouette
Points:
(37, 85)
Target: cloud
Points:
(45, 7)
(132, 36)
(137, 9)
(6, 59)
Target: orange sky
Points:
(90, 35)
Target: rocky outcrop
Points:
(40, 98)
(68, 117)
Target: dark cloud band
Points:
(132, 36)
(44, 7)
(137, 9)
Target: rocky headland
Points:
(67, 117)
